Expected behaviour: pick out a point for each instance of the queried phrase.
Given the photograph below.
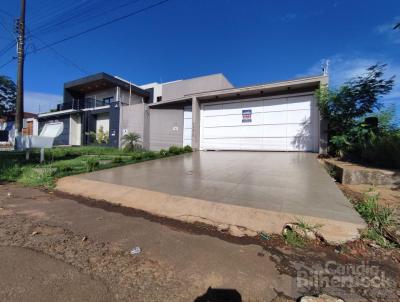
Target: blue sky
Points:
(249, 41)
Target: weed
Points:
(307, 227)
(38, 177)
(378, 218)
(92, 164)
(375, 215)
(293, 239)
(374, 235)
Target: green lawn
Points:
(64, 161)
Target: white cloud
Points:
(387, 31)
(343, 68)
(36, 102)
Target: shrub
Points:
(117, 160)
(149, 155)
(92, 164)
(131, 142)
(187, 149)
(163, 153)
(175, 150)
(102, 137)
(137, 156)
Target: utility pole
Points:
(19, 114)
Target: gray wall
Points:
(162, 124)
(179, 89)
(132, 119)
(134, 99)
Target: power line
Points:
(104, 24)
(7, 48)
(8, 62)
(67, 60)
(48, 27)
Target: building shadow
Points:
(220, 295)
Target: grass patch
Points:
(379, 219)
(293, 239)
(65, 161)
(307, 227)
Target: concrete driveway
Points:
(244, 192)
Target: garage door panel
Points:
(298, 116)
(251, 143)
(274, 130)
(224, 144)
(279, 117)
(299, 129)
(231, 120)
(299, 103)
(275, 105)
(221, 132)
(300, 143)
(251, 131)
(274, 143)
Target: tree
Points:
(357, 98)
(7, 95)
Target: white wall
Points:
(103, 119)
(75, 131)
(157, 90)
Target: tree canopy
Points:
(7, 95)
(357, 98)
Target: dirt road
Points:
(54, 248)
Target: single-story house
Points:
(207, 113)
(7, 127)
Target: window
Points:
(108, 101)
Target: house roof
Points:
(266, 89)
(26, 115)
(102, 80)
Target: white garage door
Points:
(279, 124)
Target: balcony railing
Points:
(78, 104)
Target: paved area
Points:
(252, 183)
